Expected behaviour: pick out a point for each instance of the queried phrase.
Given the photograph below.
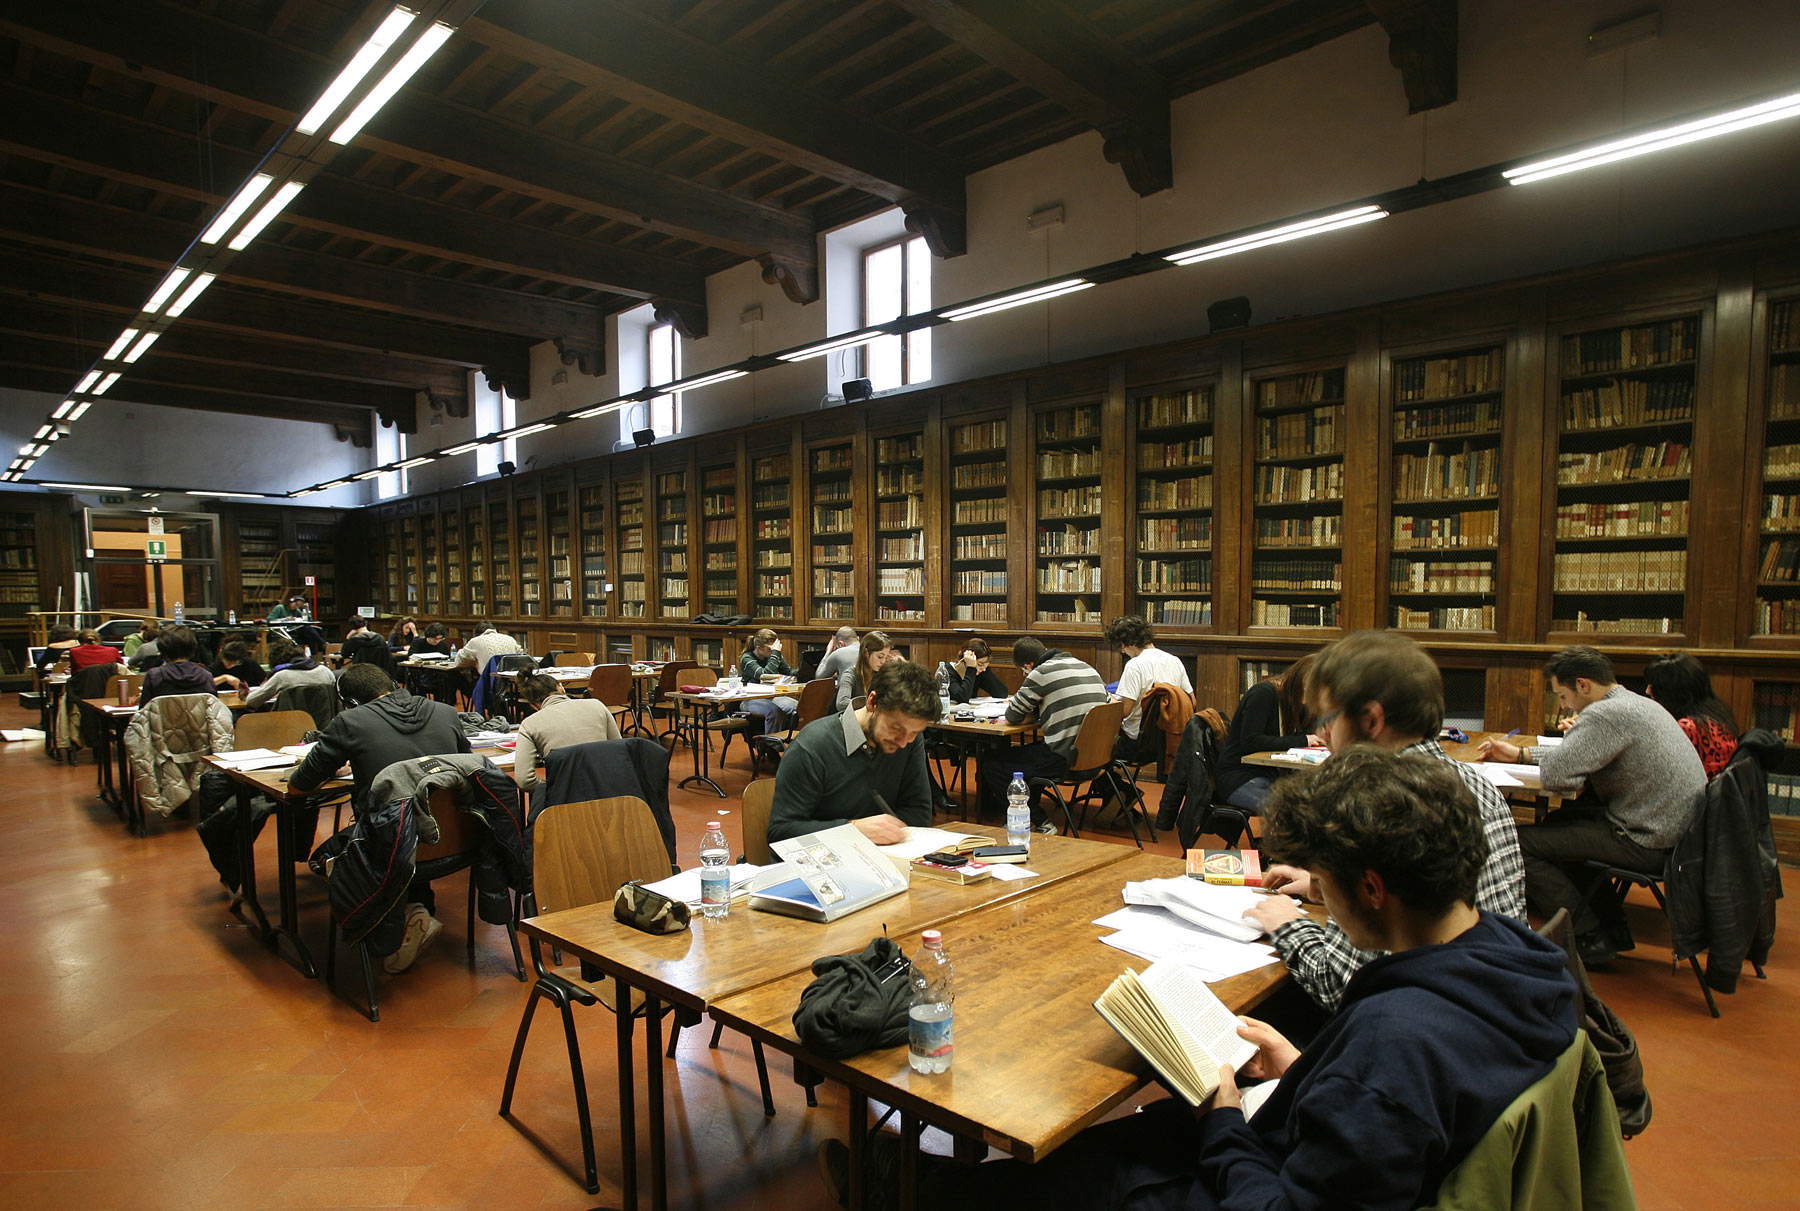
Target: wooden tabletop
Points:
(709, 698)
(231, 698)
(273, 781)
(1529, 782)
(1034, 1062)
(983, 727)
(716, 958)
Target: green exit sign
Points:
(156, 549)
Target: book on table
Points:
(1178, 1024)
(826, 875)
(1232, 867)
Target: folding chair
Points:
(611, 684)
(1093, 757)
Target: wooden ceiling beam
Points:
(60, 221)
(620, 50)
(1051, 48)
(1422, 44)
(122, 289)
(354, 420)
(200, 56)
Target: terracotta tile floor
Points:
(155, 1055)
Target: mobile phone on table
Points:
(945, 858)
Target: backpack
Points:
(1611, 1038)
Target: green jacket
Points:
(1557, 1146)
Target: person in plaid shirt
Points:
(1379, 687)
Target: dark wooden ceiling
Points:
(557, 161)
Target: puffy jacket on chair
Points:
(367, 869)
(165, 742)
(486, 792)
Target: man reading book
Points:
(1462, 1012)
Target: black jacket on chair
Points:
(604, 768)
(1723, 874)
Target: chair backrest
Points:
(670, 676)
(457, 834)
(698, 675)
(574, 660)
(759, 797)
(271, 729)
(136, 685)
(581, 853)
(1099, 732)
(514, 660)
(817, 697)
(1011, 676)
(318, 699)
(611, 684)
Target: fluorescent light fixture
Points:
(723, 376)
(118, 346)
(397, 75)
(194, 290)
(89, 487)
(34, 450)
(336, 483)
(371, 474)
(138, 350)
(234, 209)
(236, 495)
(92, 377)
(391, 27)
(465, 447)
(1656, 140)
(44, 433)
(264, 217)
(63, 409)
(831, 346)
(106, 383)
(522, 431)
(413, 462)
(305, 492)
(612, 405)
(80, 410)
(1035, 294)
(1278, 235)
(169, 285)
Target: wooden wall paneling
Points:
(1717, 597)
(1526, 463)
(1363, 444)
(1117, 567)
(1231, 492)
(862, 541)
(1021, 513)
(937, 510)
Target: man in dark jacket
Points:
(389, 725)
(1434, 1041)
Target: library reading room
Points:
(728, 604)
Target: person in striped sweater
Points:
(1059, 691)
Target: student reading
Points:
(1465, 1012)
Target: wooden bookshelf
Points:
(591, 543)
(500, 552)
(630, 527)
(1173, 519)
(719, 533)
(450, 526)
(772, 536)
(474, 515)
(431, 553)
(1777, 602)
(978, 521)
(1297, 500)
(557, 549)
(1624, 416)
(674, 586)
(261, 568)
(1446, 423)
(900, 533)
(831, 512)
(1068, 458)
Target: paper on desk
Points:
(255, 759)
(119, 710)
(1216, 908)
(686, 885)
(1006, 872)
(1312, 756)
(246, 754)
(23, 733)
(297, 750)
(921, 841)
(1158, 935)
(1496, 775)
(1548, 741)
(477, 739)
(982, 708)
(502, 759)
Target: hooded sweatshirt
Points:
(1431, 1045)
(394, 727)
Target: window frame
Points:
(913, 342)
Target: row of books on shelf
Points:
(898, 449)
(1068, 464)
(1448, 472)
(1781, 461)
(1299, 434)
(979, 437)
(836, 609)
(1784, 326)
(1168, 456)
(1324, 530)
(978, 546)
(1444, 618)
(895, 481)
(897, 612)
(1193, 492)
(721, 561)
(1446, 377)
(718, 477)
(1293, 389)
(979, 512)
(1630, 348)
(1068, 540)
(716, 504)
(1780, 560)
(831, 553)
(974, 583)
(774, 586)
(1467, 528)
(1296, 575)
(1175, 408)
(889, 581)
(673, 561)
(721, 531)
(1296, 485)
(1622, 464)
(1629, 401)
(769, 496)
(1620, 572)
(1172, 533)
(1783, 792)
(978, 475)
(1069, 424)
(631, 563)
(774, 558)
(1623, 519)
(900, 514)
(1446, 420)
(1440, 576)
(1174, 576)
(832, 492)
(1595, 624)
(1784, 391)
(1780, 616)
(910, 547)
(1069, 502)
(979, 611)
(772, 467)
(774, 527)
(832, 458)
(1069, 576)
(1292, 613)
(668, 534)
(1178, 613)
(1078, 611)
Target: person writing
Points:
(971, 675)
(434, 642)
(1643, 778)
(864, 766)
(236, 669)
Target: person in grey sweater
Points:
(840, 654)
(1643, 772)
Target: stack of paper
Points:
(982, 708)
(480, 739)
(1312, 756)
(1159, 935)
(919, 842)
(686, 885)
(254, 758)
(1216, 908)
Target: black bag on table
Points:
(858, 1002)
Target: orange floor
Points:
(155, 1055)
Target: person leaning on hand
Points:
(865, 766)
(970, 674)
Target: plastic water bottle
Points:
(715, 872)
(931, 1018)
(943, 683)
(180, 613)
(230, 618)
(1018, 811)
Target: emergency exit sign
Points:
(156, 550)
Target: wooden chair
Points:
(612, 684)
(666, 683)
(271, 729)
(1093, 757)
(574, 660)
(719, 724)
(816, 700)
(581, 854)
(753, 818)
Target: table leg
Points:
(627, 1095)
(653, 1093)
(103, 764)
(127, 789)
(290, 896)
(702, 765)
(247, 897)
(909, 1161)
(858, 1140)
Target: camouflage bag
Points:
(651, 911)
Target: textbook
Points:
(825, 875)
(1177, 1023)
(1235, 867)
(969, 872)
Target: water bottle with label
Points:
(1018, 811)
(231, 618)
(715, 871)
(180, 613)
(930, 1020)
(944, 685)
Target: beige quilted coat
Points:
(165, 742)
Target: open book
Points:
(824, 875)
(1178, 1024)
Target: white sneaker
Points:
(421, 928)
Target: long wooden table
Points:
(719, 966)
(115, 788)
(1529, 783)
(698, 703)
